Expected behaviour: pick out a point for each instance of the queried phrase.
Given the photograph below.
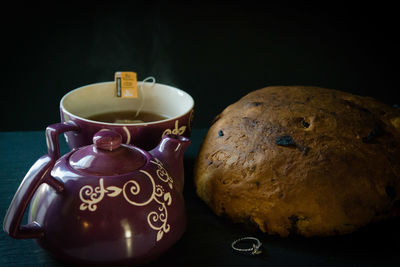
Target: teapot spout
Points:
(170, 152)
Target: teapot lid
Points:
(107, 156)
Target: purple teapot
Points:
(103, 203)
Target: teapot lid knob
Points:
(107, 156)
(107, 140)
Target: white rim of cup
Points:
(124, 124)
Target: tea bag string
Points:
(142, 93)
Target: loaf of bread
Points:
(302, 160)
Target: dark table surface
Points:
(207, 240)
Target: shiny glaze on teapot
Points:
(103, 203)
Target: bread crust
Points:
(302, 160)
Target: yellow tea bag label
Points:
(126, 84)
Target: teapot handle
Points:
(39, 173)
(52, 133)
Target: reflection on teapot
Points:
(103, 203)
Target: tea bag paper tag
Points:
(126, 84)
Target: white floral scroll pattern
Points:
(162, 173)
(177, 130)
(157, 219)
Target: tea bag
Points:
(128, 121)
(142, 94)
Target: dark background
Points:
(217, 52)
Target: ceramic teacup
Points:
(79, 105)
